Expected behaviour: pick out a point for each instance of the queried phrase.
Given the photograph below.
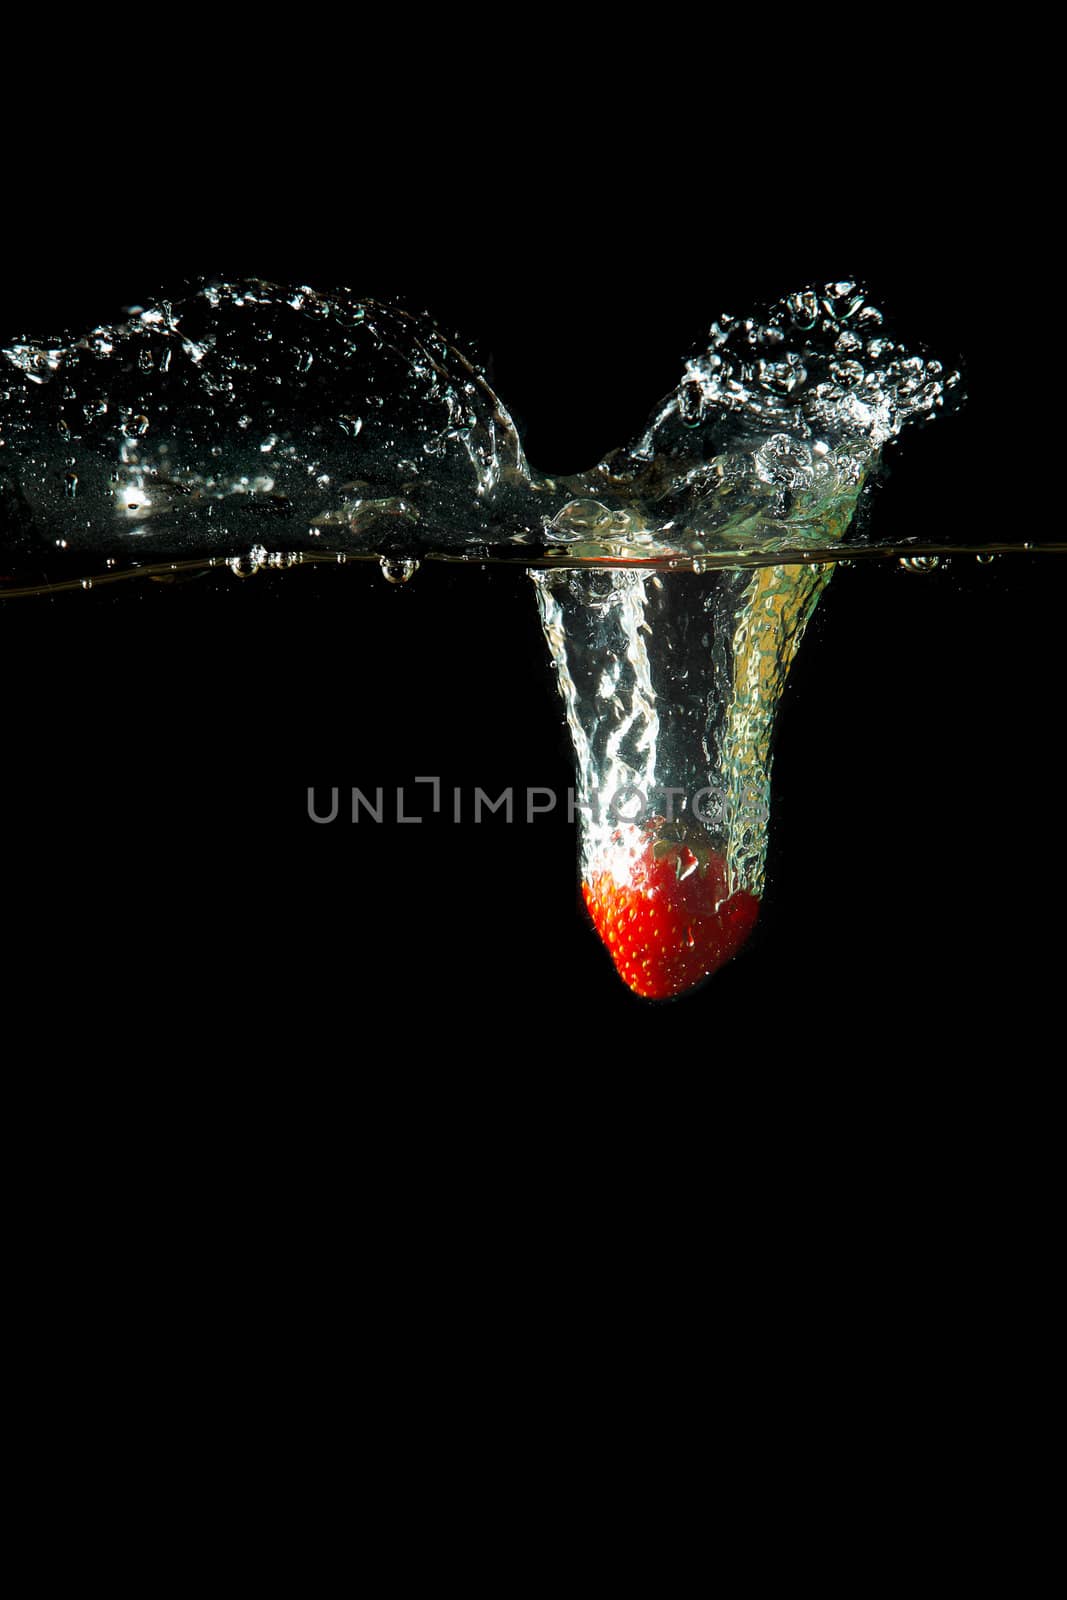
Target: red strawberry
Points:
(671, 924)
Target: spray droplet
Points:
(398, 569)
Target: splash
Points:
(255, 416)
(255, 424)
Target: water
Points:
(254, 416)
(255, 426)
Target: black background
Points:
(161, 741)
(372, 1085)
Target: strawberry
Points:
(672, 923)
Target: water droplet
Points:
(398, 569)
(87, 583)
(986, 557)
(919, 563)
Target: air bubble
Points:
(246, 566)
(398, 569)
